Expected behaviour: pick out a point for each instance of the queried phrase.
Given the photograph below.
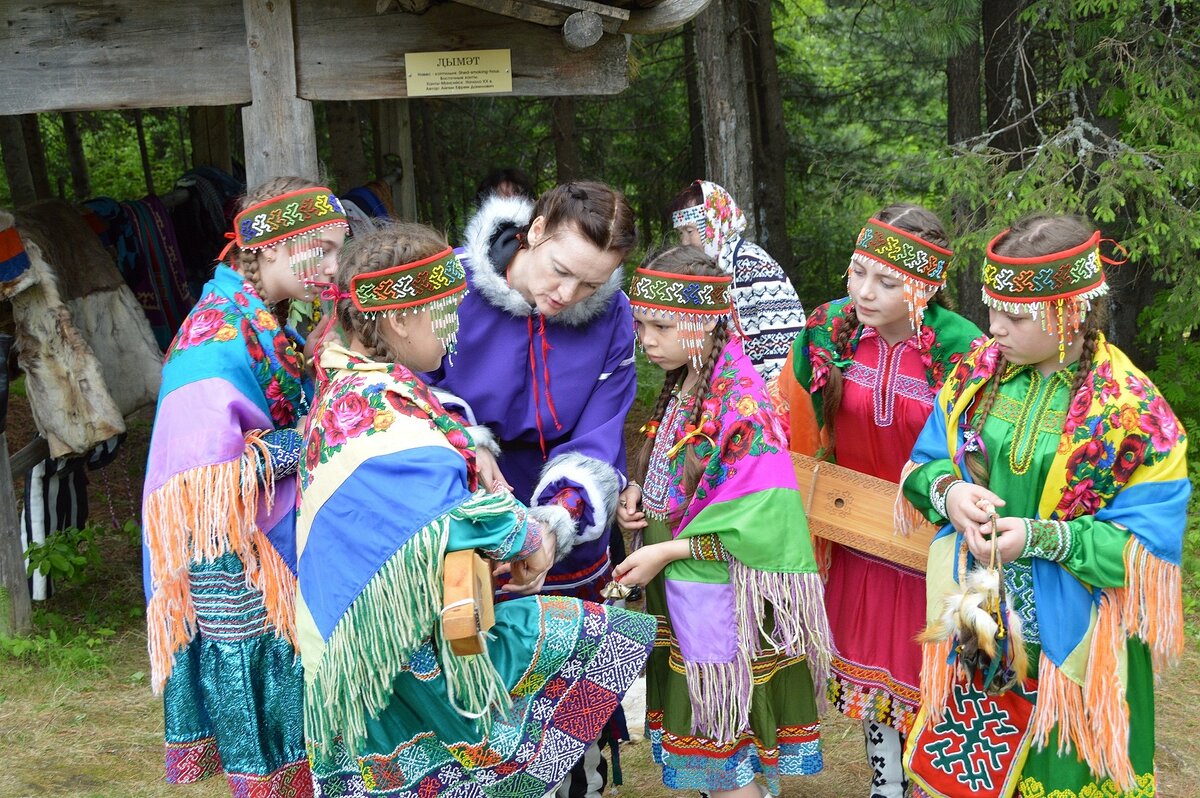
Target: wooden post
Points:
(394, 162)
(15, 609)
(281, 138)
(209, 130)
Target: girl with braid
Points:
(389, 484)
(872, 363)
(219, 502)
(1048, 444)
(727, 561)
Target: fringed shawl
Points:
(386, 475)
(747, 496)
(229, 375)
(1122, 458)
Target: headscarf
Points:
(720, 223)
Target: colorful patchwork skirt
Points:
(567, 664)
(784, 738)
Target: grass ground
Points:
(77, 717)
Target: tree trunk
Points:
(691, 75)
(728, 130)
(1009, 81)
(35, 152)
(429, 182)
(562, 130)
(147, 170)
(81, 182)
(770, 153)
(963, 122)
(347, 158)
(16, 162)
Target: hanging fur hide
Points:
(83, 341)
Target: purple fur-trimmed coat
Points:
(553, 393)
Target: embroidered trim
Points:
(1050, 540)
(690, 215)
(939, 490)
(708, 547)
(1034, 416)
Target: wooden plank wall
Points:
(96, 54)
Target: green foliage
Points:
(66, 555)
(1113, 135)
(59, 642)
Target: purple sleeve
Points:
(588, 471)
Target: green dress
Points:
(1022, 433)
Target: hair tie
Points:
(1113, 261)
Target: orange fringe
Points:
(199, 515)
(937, 677)
(1152, 603)
(1104, 694)
(906, 518)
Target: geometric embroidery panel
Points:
(976, 749)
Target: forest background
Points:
(983, 110)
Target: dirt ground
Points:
(92, 729)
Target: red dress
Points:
(877, 607)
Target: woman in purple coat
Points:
(544, 372)
(544, 376)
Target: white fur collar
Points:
(488, 277)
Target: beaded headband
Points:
(693, 214)
(919, 265)
(693, 301)
(293, 218)
(435, 284)
(1058, 287)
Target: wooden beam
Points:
(515, 9)
(666, 16)
(209, 127)
(15, 610)
(345, 51)
(611, 17)
(280, 135)
(93, 54)
(581, 30)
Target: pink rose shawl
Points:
(748, 498)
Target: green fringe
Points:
(390, 619)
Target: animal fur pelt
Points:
(83, 341)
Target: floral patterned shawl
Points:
(230, 374)
(1122, 458)
(747, 497)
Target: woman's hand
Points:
(970, 508)
(630, 518)
(317, 337)
(488, 469)
(1010, 540)
(529, 574)
(644, 564)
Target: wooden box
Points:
(856, 510)
(468, 610)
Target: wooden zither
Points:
(856, 510)
(468, 610)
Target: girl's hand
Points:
(970, 508)
(630, 518)
(644, 564)
(1010, 541)
(488, 469)
(529, 574)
